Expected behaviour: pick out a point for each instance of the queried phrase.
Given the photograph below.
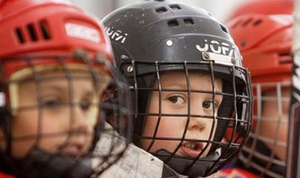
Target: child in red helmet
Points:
(265, 42)
(55, 74)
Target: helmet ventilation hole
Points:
(161, 10)
(224, 28)
(164, 9)
(173, 23)
(45, 30)
(285, 58)
(257, 22)
(188, 21)
(175, 7)
(247, 22)
(20, 35)
(32, 32)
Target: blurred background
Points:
(220, 9)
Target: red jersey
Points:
(235, 173)
(3, 175)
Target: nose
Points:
(80, 131)
(196, 122)
(80, 122)
(201, 126)
(199, 119)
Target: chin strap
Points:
(187, 166)
(43, 165)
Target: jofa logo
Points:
(116, 35)
(217, 47)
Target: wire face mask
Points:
(269, 155)
(187, 114)
(59, 115)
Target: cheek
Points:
(166, 126)
(25, 123)
(169, 126)
(276, 135)
(275, 129)
(24, 131)
(28, 131)
(93, 117)
(274, 124)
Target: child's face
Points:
(65, 120)
(177, 102)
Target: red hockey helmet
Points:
(263, 7)
(27, 29)
(266, 48)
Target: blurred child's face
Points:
(274, 121)
(66, 118)
(177, 102)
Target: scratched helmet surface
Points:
(150, 38)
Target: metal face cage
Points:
(265, 153)
(107, 108)
(226, 125)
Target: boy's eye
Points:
(85, 105)
(209, 105)
(176, 99)
(51, 102)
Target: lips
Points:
(72, 150)
(192, 149)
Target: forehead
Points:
(56, 70)
(187, 75)
(190, 78)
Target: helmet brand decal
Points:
(219, 58)
(82, 32)
(217, 48)
(116, 35)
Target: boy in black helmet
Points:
(187, 83)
